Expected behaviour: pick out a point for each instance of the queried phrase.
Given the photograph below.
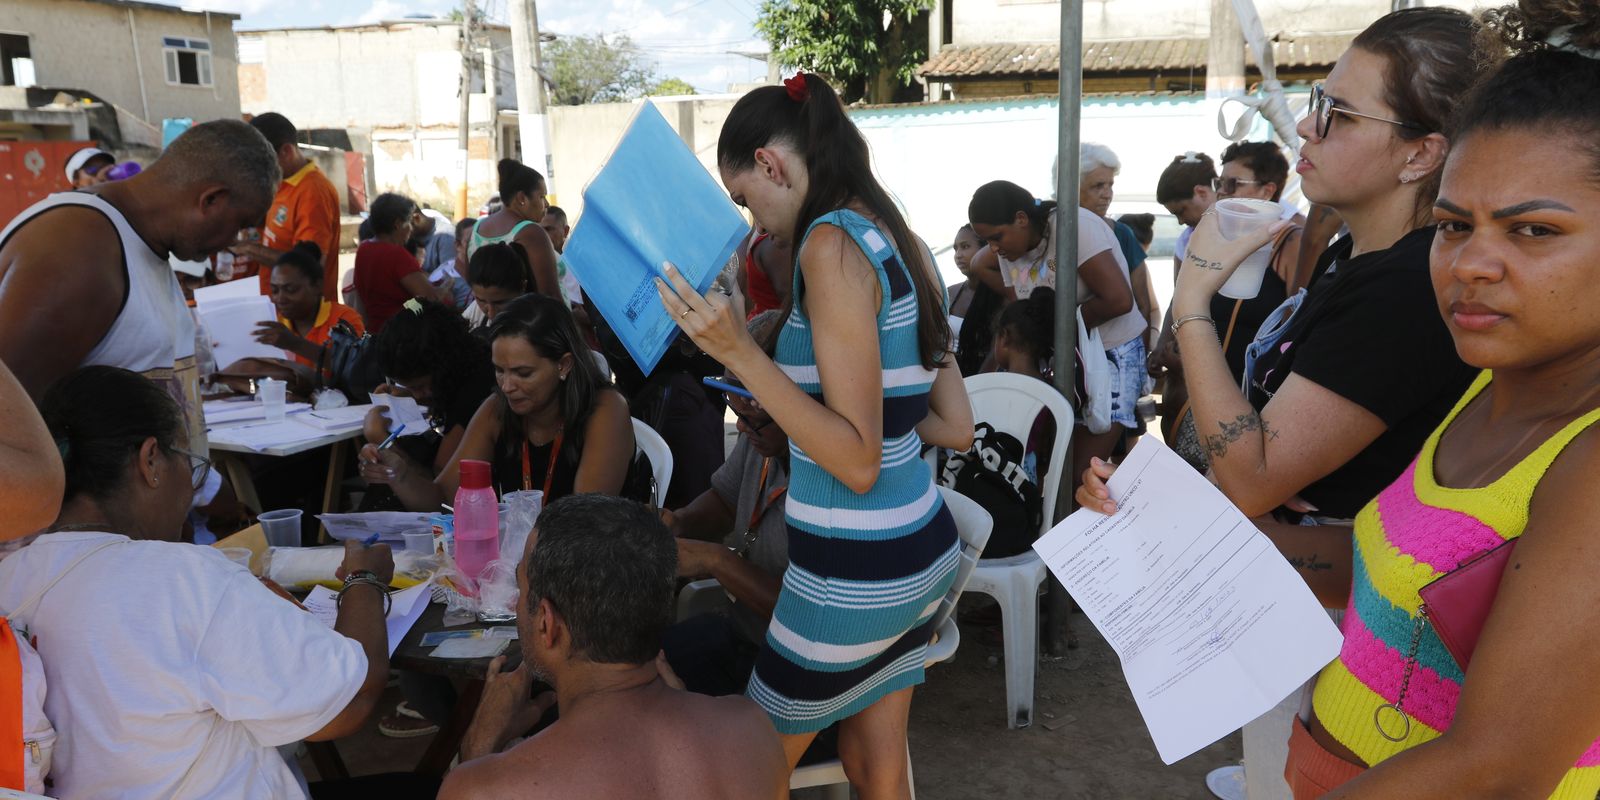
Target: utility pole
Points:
(464, 133)
(1225, 56)
(530, 88)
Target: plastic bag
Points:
(306, 567)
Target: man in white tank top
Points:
(85, 276)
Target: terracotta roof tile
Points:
(1020, 59)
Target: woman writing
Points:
(168, 686)
(861, 378)
(522, 189)
(386, 273)
(304, 318)
(555, 423)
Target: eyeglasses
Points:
(1322, 109)
(199, 467)
(1231, 185)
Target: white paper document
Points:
(403, 411)
(405, 608)
(223, 412)
(388, 525)
(1212, 625)
(232, 326)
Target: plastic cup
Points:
(274, 396)
(238, 555)
(282, 528)
(419, 541)
(1238, 216)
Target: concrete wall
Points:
(91, 46)
(987, 21)
(374, 76)
(582, 138)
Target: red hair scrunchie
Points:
(797, 88)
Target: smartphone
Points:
(728, 387)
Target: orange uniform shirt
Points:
(328, 317)
(305, 209)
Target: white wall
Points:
(90, 46)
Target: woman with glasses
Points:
(172, 671)
(1366, 369)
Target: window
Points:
(188, 61)
(16, 61)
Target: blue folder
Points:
(651, 202)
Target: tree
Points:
(669, 87)
(588, 69)
(869, 48)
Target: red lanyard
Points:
(762, 507)
(549, 469)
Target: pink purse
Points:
(1458, 603)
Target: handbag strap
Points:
(27, 605)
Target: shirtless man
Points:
(598, 580)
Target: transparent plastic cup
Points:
(282, 528)
(274, 396)
(238, 555)
(1236, 217)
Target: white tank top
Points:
(154, 333)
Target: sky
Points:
(687, 39)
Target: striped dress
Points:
(1413, 533)
(866, 571)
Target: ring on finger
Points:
(685, 313)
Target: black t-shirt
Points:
(1252, 313)
(1370, 331)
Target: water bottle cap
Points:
(474, 474)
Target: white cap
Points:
(82, 157)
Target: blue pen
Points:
(394, 434)
(370, 540)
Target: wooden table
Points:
(228, 459)
(469, 672)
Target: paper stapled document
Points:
(1212, 624)
(405, 608)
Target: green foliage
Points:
(589, 69)
(669, 87)
(847, 41)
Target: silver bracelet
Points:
(1178, 323)
(338, 602)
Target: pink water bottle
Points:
(477, 521)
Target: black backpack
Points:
(991, 473)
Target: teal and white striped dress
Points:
(866, 571)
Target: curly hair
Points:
(434, 342)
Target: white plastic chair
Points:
(973, 525)
(1010, 403)
(647, 441)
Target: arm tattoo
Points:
(1205, 264)
(1310, 564)
(1230, 432)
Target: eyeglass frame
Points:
(199, 466)
(1322, 121)
(1218, 182)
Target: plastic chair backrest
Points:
(647, 441)
(1010, 403)
(973, 525)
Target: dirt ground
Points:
(1087, 740)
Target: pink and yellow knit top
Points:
(1414, 532)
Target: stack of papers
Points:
(406, 607)
(301, 426)
(335, 419)
(230, 313)
(621, 241)
(224, 412)
(1213, 626)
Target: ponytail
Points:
(999, 203)
(807, 115)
